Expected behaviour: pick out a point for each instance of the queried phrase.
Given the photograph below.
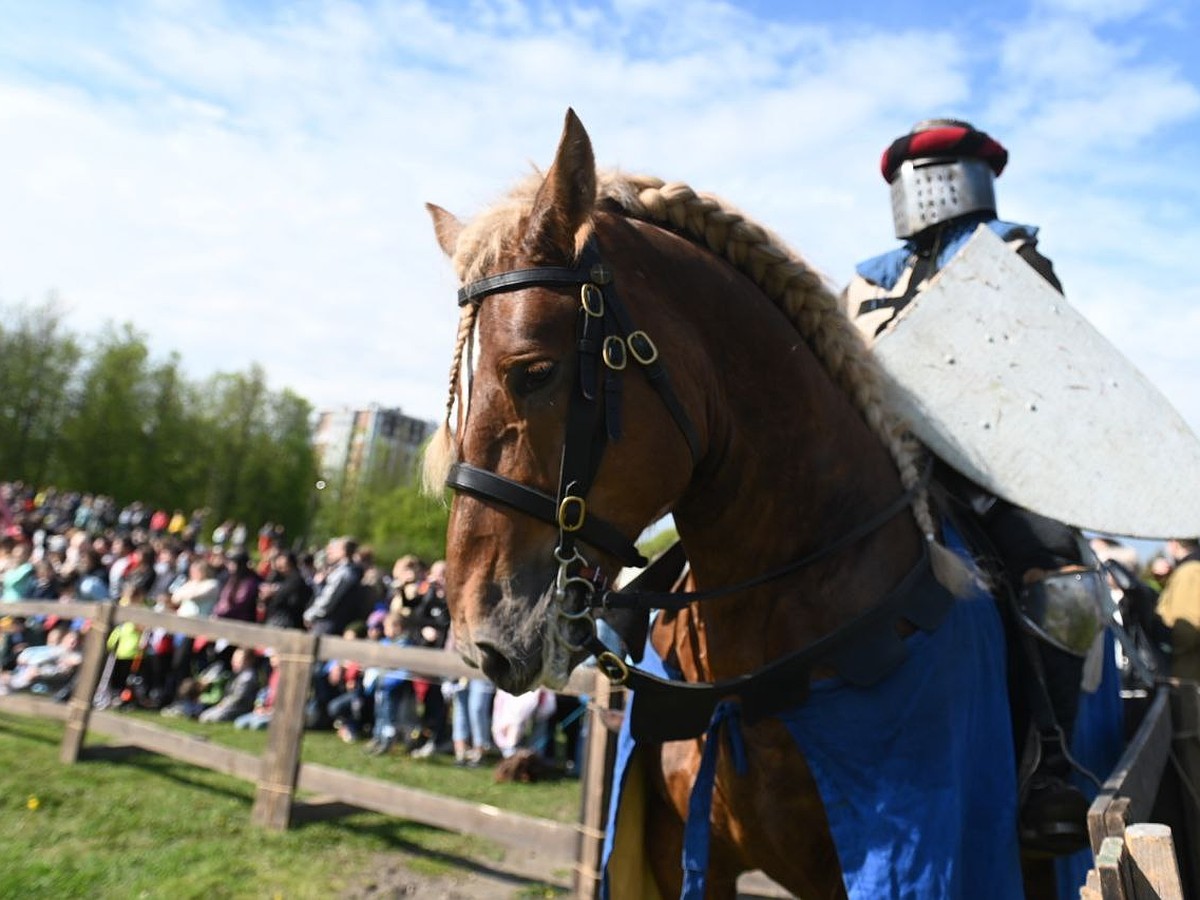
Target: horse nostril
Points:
(495, 665)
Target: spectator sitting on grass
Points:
(522, 721)
(264, 703)
(49, 668)
(331, 680)
(239, 693)
(353, 710)
(187, 700)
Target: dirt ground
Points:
(402, 875)
(395, 878)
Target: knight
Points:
(941, 176)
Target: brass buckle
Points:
(614, 353)
(642, 347)
(593, 300)
(571, 503)
(600, 273)
(613, 667)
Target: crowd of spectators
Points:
(78, 547)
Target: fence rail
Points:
(279, 772)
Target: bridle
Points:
(606, 341)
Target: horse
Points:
(629, 348)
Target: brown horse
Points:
(759, 426)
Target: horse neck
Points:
(791, 467)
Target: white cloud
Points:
(246, 183)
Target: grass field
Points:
(125, 823)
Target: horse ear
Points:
(564, 202)
(446, 226)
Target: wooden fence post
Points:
(281, 760)
(595, 796)
(1155, 870)
(1112, 864)
(95, 652)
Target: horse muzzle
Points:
(523, 643)
(504, 670)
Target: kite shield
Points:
(1000, 377)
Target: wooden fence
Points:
(1135, 859)
(279, 772)
(1138, 858)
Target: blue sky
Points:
(245, 181)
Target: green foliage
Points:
(262, 466)
(393, 520)
(404, 520)
(101, 415)
(37, 361)
(102, 432)
(658, 542)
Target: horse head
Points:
(526, 369)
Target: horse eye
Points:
(528, 378)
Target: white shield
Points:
(1006, 382)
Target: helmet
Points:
(940, 170)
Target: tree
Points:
(103, 431)
(109, 419)
(38, 361)
(404, 520)
(176, 445)
(262, 466)
(288, 461)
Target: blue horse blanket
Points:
(916, 772)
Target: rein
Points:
(862, 650)
(675, 601)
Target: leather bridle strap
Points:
(540, 276)
(677, 600)
(605, 340)
(489, 486)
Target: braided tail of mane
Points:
(801, 293)
(441, 450)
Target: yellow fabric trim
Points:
(629, 873)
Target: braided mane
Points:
(797, 289)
